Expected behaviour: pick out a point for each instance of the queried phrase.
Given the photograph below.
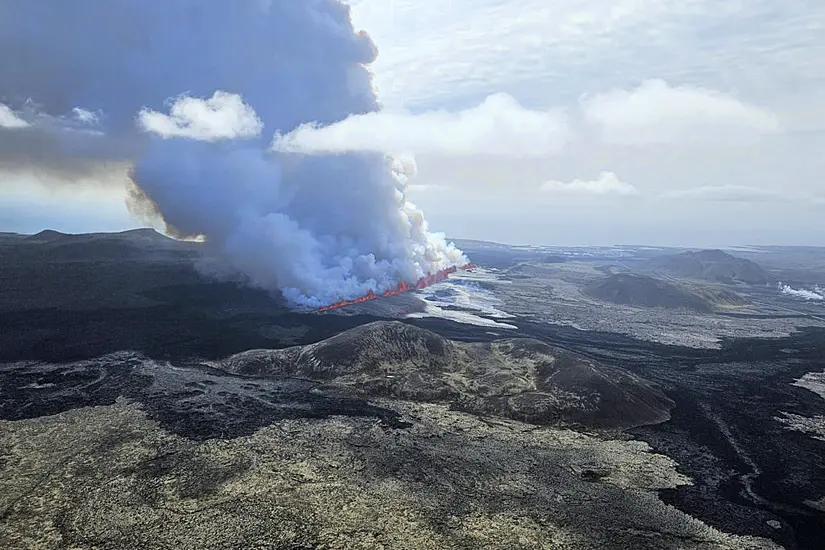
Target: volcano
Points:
(401, 288)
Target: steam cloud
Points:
(195, 88)
(818, 294)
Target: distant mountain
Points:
(710, 265)
(49, 236)
(92, 270)
(474, 244)
(524, 379)
(144, 234)
(643, 291)
(135, 244)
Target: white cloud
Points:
(498, 126)
(223, 116)
(9, 119)
(656, 112)
(433, 52)
(548, 53)
(607, 183)
(36, 119)
(84, 116)
(732, 193)
(741, 193)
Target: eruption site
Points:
(186, 95)
(402, 287)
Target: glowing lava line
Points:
(402, 287)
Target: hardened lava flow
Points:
(402, 287)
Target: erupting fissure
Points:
(402, 287)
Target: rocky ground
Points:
(107, 477)
(563, 286)
(519, 378)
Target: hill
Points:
(643, 291)
(137, 236)
(523, 379)
(50, 236)
(710, 265)
(50, 245)
(639, 290)
(91, 270)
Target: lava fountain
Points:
(401, 288)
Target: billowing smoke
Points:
(194, 91)
(817, 294)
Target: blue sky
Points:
(687, 122)
(32, 216)
(29, 206)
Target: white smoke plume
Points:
(816, 295)
(191, 89)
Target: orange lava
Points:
(402, 287)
